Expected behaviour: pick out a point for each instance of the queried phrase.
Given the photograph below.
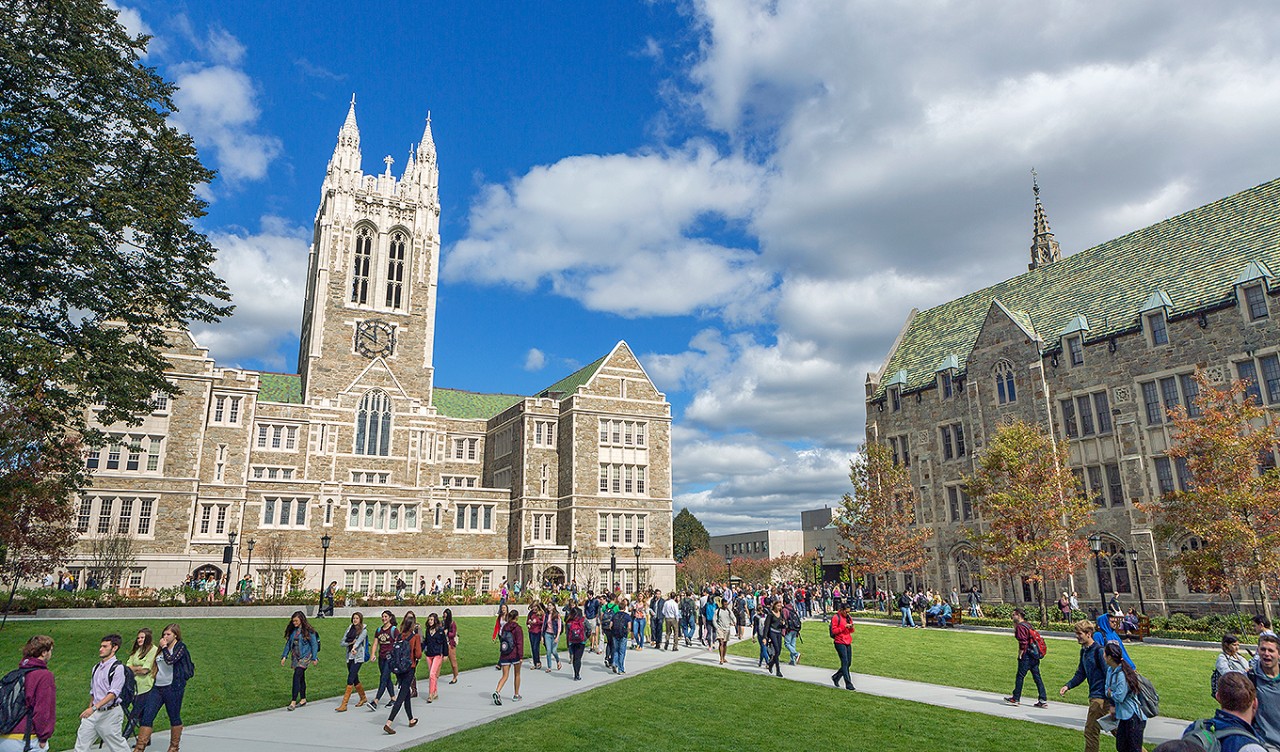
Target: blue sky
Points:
(753, 194)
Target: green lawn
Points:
(237, 662)
(989, 662)
(690, 707)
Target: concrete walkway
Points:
(468, 703)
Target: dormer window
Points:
(1255, 299)
(947, 384)
(895, 399)
(1158, 328)
(1251, 291)
(1072, 338)
(1075, 350)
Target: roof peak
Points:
(1044, 249)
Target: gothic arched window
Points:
(1006, 390)
(395, 269)
(373, 424)
(360, 267)
(968, 570)
(1115, 568)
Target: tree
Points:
(274, 569)
(1230, 506)
(110, 557)
(877, 521)
(1034, 518)
(699, 569)
(688, 535)
(98, 199)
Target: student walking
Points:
(1093, 670)
(173, 669)
(141, 661)
(723, 620)
(534, 625)
(842, 637)
(1029, 655)
(403, 660)
(621, 626)
(510, 655)
(1123, 687)
(791, 629)
(551, 637)
(301, 651)
(39, 693)
(435, 644)
(576, 635)
(761, 634)
(103, 718)
(451, 632)
(385, 637)
(774, 625)
(417, 630)
(356, 642)
(637, 624)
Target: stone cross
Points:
(388, 160)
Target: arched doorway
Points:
(552, 576)
(200, 577)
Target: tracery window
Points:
(360, 270)
(373, 424)
(395, 270)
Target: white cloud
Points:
(265, 273)
(217, 105)
(129, 18)
(535, 360)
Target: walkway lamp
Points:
(822, 552)
(728, 562)
(1133, 557)
(636, 550)
(231, 541)
(1095, 545)
(613, 567)
(573, 559)
(325, 540)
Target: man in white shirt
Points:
(104, 717)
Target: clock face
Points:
(375, 339)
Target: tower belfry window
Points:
(373, 424)
(360, 270)
(395, 270)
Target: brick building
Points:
(408, 479)
(1093, 347)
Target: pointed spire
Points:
(409, 166)
(1044, 249)
(351, 116)
(427, 149)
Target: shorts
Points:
(722, 635)
(513, 662)
(592, 626)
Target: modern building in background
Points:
(762, 544)
(400, 477)
(1094, 347)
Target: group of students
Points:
(125, 696)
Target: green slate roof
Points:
(569, 384)
(1193, 257)
(280, 387)
(456, 403)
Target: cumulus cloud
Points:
(535, 360)
(217, 105)
(265, 272)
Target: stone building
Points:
(1093, 347)
(407, 479)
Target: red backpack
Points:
(576, 631)
(1039, 643)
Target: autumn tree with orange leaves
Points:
(1231, 507)
(1034, 517)
(877, 520)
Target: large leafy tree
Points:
(877, 520)
(1231, 507)
(688, 535)
(101, 258)
(1034, 517)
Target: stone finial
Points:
(1044, 249)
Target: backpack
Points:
(1148, 697)
(130, 689)
(606, 620)
(793, 620)
(1206, 735)
(13, 701)
(401, 658)
(1037, 643)
(620, 627)
(577, 632)
(686, 608)
(185, 668)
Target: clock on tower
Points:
(375, 338)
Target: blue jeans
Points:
(619, 653)
(907, 620)
(552, 644)
(638, 632)
(687, 626)
(1029, 663)
(168, 697)
(384, 681)
(789, 639)
(764, 649)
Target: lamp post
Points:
(573, 559)
(231, 541)
(249, 566)
(636, 550)
(1095, 545)
(1133, 557)
(613, 567)
(325, 540)
(728, 562)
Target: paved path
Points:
(468, 704)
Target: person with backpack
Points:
(1031, 649)
(607, 612)
(28, 699)
(576, 635)
(1092, 669)
(904, 605)
(761, 634)
(451, 632)
(104, 718)
(591, 615)
(301, 651)
(534, 624)
(403, 660)
(791, 626)
(385, 636)
(510, 655)
(1124, 689)
(688, 618)
(435, 643)
(621, 626)
(841, 629)
(356, 642)
(142, 662)
(1231, 727)
(551, 637)
(174, 669)
(1229, 661)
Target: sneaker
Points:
(372, 706)
(1041, 704)
(517, 697)
(497, 699)
(1011, 701)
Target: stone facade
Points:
(1092, 347)
(407, 479)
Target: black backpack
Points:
(401, 658)
(13, 701)
(506, 641)
(687, 608)
(793, 620)
(621, 625)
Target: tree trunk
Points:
(9, 603)
(1044, 610)
(1266, 599)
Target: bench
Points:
(1142, 632)
(956, 618)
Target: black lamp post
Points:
(636, 550)
(249, 565)
(1095, 544)
(1133, 557)
(573, 559)
(822, 552)
(231, 541)
(613, 567)
(325, 540)
(728, 562)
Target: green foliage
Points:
(688, 535)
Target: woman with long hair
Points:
(774, 625)
(451, 632)
(356, 641)
(535, 624)
(501, 621)
(412, 618)
(510, 655)
(435, 643)
(638, 613)
(142, 662)
(173, 669)
(1123, 687)
(301, 651)
(576, 634)
(409, 633)
(551, 636)
(385, 636)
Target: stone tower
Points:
(1044, 249)
(372, 272)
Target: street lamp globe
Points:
(1095, 543)
(325, 540)
(231, 537)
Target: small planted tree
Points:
(1035, 519)
(1233, 503)
(876, 521)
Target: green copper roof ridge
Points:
(570, 383)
